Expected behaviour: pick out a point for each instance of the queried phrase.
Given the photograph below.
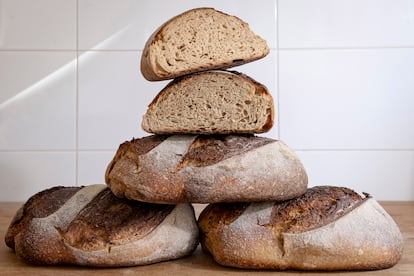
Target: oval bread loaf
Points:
(90, 226)
(327, 228)
(211, 102)
(197, 40)
(205, 169)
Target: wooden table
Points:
(199, 263)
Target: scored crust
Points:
(92, 227)
(328, 228)
(206, 169)
(187, 43)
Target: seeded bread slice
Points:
(211, 102)
(197, 40)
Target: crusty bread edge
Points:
(175, 237)
(260, 89)
(152, 177)
(147, 66)
(41, 243)
(366, 238)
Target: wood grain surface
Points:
(199, 263)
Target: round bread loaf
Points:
(327, 228)
(206, 169)
(90, 226)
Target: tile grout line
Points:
(333, 48)
(77, 99)
(296, 149)
(277, 70)
(344, 48)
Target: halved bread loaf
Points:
(211, 102)
(90, 226)
(206, 169)
(327, 228)
(199, 39)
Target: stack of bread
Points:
(204, 149)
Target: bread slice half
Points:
(89, 226)
(327, 228)
(197, 40)
(211, 102)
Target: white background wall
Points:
(341, 73)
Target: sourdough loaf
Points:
(90, 226)
(211, 102)
(327, 228)
(197, 40)
(205, 169)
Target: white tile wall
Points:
(345, 23)
(38, 24)
(340, 73)
(347, 99)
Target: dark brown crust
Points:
(39, 205)
(108, 220)
(208, 218)
(207, 172)
(228, 212)
(319, 206)
(143, 145)
(310, 232)
(134, 148)
(209, 150)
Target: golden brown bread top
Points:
(145, 144)
(211, 149)
(39, 205)
(108, 220)
(204, 151)
(104, 221)
(319, 206)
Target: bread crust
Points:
(153, 72)
(364, 237)
(94, 228)
(258, 90)
(269, 171)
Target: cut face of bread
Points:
(197, 40)
(327, 228)
(211, 102)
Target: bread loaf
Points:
(89, 226)
(205, 169)
(327, 228)
(211, 102)
(197, 40)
